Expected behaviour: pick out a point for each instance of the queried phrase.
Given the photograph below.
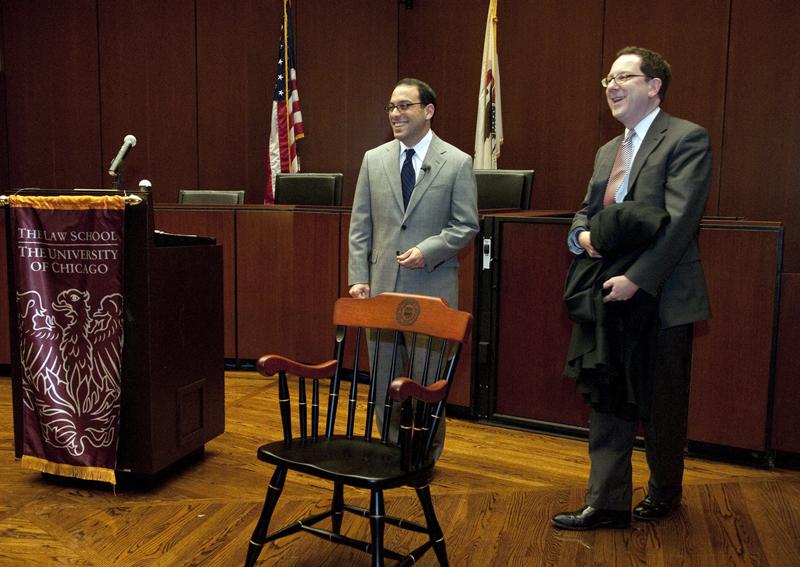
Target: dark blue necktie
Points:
(407, 177)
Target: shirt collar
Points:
(644, 124)
(421, 149)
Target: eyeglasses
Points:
(401, 106)
(620, 79)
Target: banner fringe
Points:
(61, 469)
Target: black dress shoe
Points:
(652, 509)
(589, 518)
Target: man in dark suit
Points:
(664, 162)
(414, 209)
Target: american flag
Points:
(287, 122)
(489, 128)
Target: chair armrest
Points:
(403, 388)
(271, 364)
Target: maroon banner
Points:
(68, 266)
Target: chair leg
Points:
(377, 521)
(260, 531)
(337, 507)
(434, 530)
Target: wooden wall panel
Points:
(441, 43)
(461, 389)
(3, 126)
(237, 53)
(533, 327)
(693, 37)
(786, 423)
(148, 87)
(732, 352)
(50, 68)
(287, 265)
(5, 335)
(220, 224)
(549, 127)
(347, 66)
(761, 155)
(731, 365)
(550, 67)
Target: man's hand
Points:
(585, 240)
(359, 291)
(411, 259)
(621, 289)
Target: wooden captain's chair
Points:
(347, 453)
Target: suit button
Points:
(403, 227)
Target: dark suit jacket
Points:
(672, 171)
(606, 354)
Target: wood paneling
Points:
(533, 327)
(79, 76)
(441, 44)
(731, 370)
(148, 85)
(5, 335)
(461, 388)
(344, 255)
(287, 265)
(220, 224)
(346, 68)
(234, 101)
(550, 67)
(544, 130)
(785, 420)
(693, 37)
(731, 362)
(547, 127)
(761, 152)
(50, 70)
(3, 126)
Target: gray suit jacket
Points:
(672, 171)
(441, 219)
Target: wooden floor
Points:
(495, 492)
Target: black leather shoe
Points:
(652, 509)
(589, 518)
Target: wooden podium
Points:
(173, 398)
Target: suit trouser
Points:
(384, 372)
(611, 438)
(441, 282)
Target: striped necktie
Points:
(408, 177)
(621, 165)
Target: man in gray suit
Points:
(664, 162)
(415, 207)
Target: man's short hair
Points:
(426, 94)
(653, 65)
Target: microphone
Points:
(423, 170)
(128, 143)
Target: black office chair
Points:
(210, 197)
(504, 188)
(347, 453)
(308, 189)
